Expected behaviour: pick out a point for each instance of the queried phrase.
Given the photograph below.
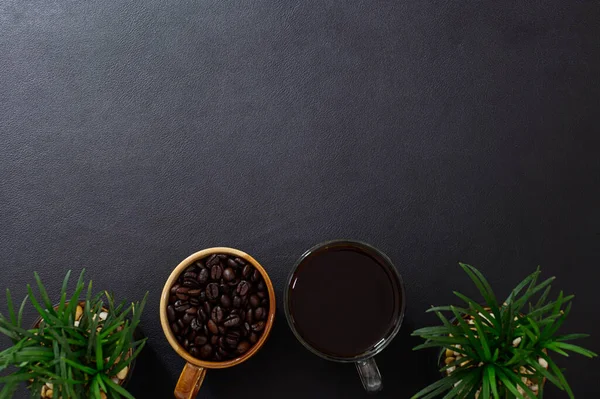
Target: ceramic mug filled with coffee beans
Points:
(345, 302)
(216, 310)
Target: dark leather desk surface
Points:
(134, 133)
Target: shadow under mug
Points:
(193, 373)
(365, 362)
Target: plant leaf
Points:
(11, 309)
(21, 309)
(63, 291)
(560, 376)
(575, 348)
(527, 280)
(483, 286)
(569, 337)
(116, 387)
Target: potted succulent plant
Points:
(79, 348)
(501, 349)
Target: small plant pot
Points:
(121, 380)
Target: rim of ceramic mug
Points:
(389, 265)
(164, 301)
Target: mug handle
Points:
(190, 380)
(369, 375)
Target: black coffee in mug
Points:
(345, 299)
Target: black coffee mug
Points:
(345, 302)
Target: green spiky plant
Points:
(80, 360)
(499, 344)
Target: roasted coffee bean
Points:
(240, 261)
(243, 347)
(261, 294)
(250, 316)
(247, 328)
(222, 351)
(195, 325)
(175, 288)
(207, 308)
(192, 311)
(212, 260)
(232, 338)
(218, 357)
(212, 327)
(232, 263)
(186, 343)
(182, 308)
(212, 291)
(171, 313)
(264, 302)
(183, 297)
(206, 351)
(232, 321)
(194, 292)
(258, 327)
(187, 319)
(192, 334)
(254, 300)
(190, 275)
(190, 284)
(243, 287)
(253, 338)
(181, 324)
(237, 301)
(194, 302)
(226, 301)
(247, 271)
(216, 272)
(261, 286)
(175, 328)
(179, 302)
(202, 315)
(200, 340)
(195, 352)
(172, 298)
(191, 268)
(203, 276)
(217, 314)
(233, 283)
(255, 275)
(228, 274)
(224, 289)
(214, 339)
(222, 330)
(260, 313)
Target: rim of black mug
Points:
(380, 346)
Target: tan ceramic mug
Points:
(193, 373)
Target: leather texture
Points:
(134, 133)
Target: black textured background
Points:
(133, 133)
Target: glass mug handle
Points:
(369, 375)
